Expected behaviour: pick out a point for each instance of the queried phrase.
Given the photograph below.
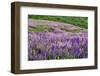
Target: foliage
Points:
(78, 21)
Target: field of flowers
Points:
(50, 39)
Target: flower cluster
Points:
(57, 45)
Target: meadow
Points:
(77, 21)
(57, 37)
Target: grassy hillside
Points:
(78, 21)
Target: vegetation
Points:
(78, 21)
(40, 28)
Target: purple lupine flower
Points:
(57, 45)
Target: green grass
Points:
(78, 21)
(74, 30)
(39, 28)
